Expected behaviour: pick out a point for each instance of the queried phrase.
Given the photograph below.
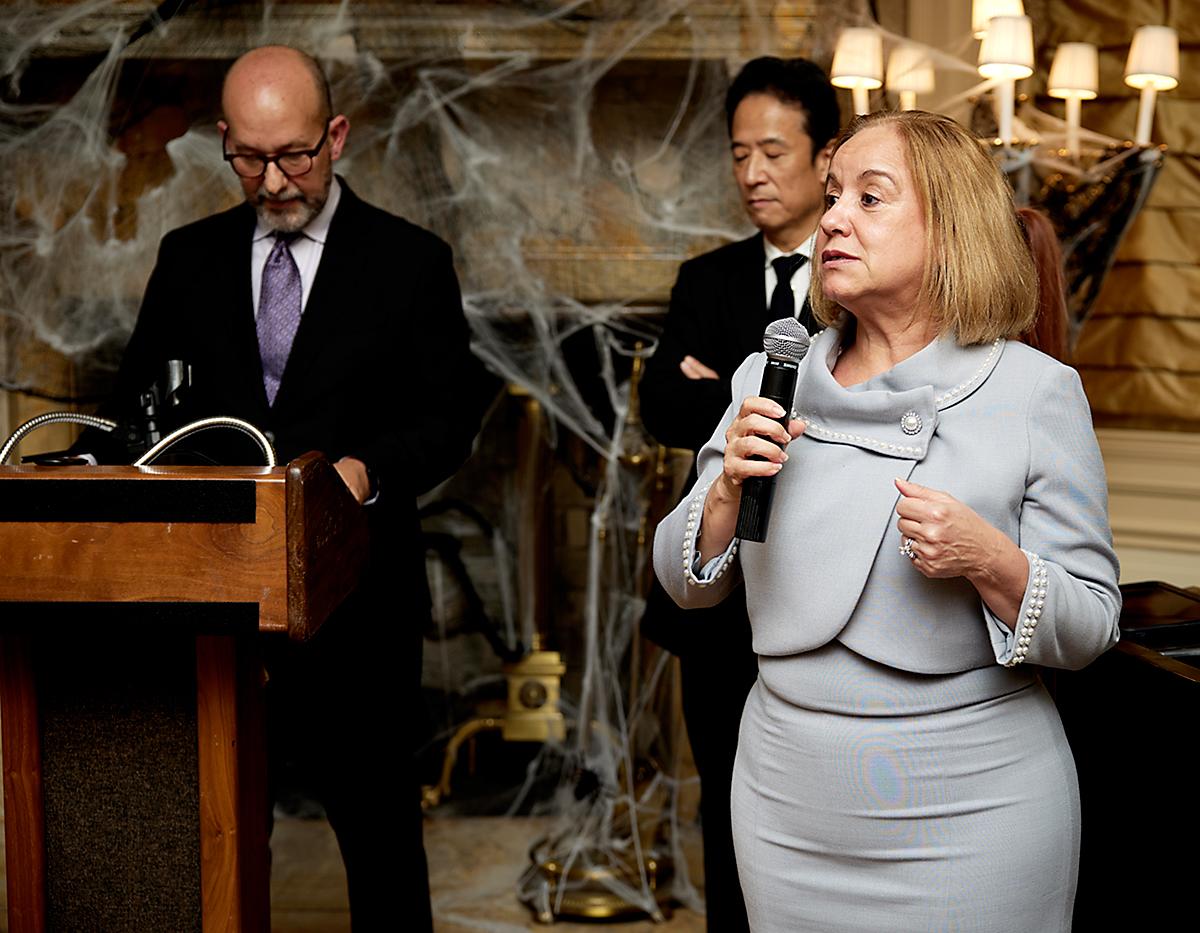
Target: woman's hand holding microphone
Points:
(754, 446)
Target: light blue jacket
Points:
(1003, 428)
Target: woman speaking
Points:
(939, 526)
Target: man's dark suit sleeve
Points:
(424, 440)
(676, 410)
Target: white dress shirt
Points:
(306, 248)
(800, 278)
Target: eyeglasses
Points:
(293, 164)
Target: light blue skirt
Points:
(870, 799)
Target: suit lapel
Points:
(245, 364)
(747, 296)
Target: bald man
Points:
(336, 327)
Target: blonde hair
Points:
(979, 282)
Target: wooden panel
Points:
(234, 853)
(327, 540)
(216, 725)
(254, 852)
(144, 562)
(23, 835)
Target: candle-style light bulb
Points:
(1006, 54)
(858, 64)
(909, 73)
(983, 10)
(1074, 77)
(1152, 66)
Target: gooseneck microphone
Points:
(786, 342)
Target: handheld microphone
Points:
(786, 342)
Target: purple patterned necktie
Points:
(278, 313)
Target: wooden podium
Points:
(131, 685)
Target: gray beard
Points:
(294, 219)
(301, 210)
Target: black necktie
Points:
(783, 302)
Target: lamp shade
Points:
(858, 59)
(983, 10)
(1075, 72)
(1007, 49)
(909, 69)
(1153, 58)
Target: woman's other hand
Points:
(950, 539)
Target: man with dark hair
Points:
(338, 327)
(782, 117)
(795, 81)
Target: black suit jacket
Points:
(718, 314)
(380, 368)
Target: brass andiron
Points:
(532, 715)
(589, 885)
(533, 692)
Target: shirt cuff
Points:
(1012, 645)
(713, 569)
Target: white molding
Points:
(1154, 503)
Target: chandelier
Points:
(1092, 186)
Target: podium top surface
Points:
(290, 541)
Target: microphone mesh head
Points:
(786, 339)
